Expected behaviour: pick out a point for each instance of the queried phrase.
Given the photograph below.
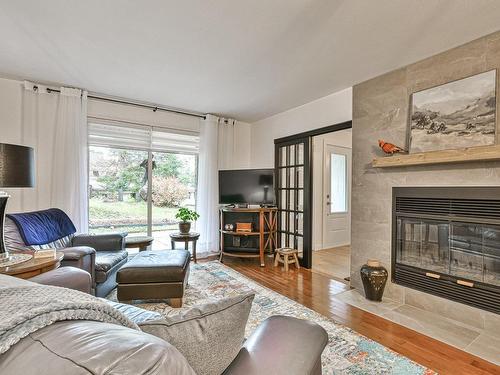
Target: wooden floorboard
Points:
(334, 262)
(317, 291)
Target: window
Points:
(138, 177)
(338, 183)
(117, 201)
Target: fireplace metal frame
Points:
(480, 295)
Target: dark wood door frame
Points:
(286, 189)
(307, 136)
(315, 132)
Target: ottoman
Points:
(154, 275)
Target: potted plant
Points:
(186, 216)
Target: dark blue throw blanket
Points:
(42, 227)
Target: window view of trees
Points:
(118, 182)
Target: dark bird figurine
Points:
(389, 148)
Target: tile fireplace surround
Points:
(380, 111)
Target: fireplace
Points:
(446, 241)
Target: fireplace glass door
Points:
(463, 250)
(424, 244)
(446, 242)
(491, 255)
(466, 255)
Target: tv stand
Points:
(262, 237)
(239, 205)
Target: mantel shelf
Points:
(480, 153)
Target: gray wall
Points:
(380, 111)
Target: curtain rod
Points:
(152, 107)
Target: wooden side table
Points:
(33, 267)
(186, 238)
(142, 242)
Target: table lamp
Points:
(16, 171)
(266, 181)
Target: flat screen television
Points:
(246, 186)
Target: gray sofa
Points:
(280, 345)
(100, 255)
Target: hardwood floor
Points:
(334, 262)
(317, 292)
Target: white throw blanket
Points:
(26, 309)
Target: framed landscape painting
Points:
(455, 115)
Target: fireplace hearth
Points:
(446, 241)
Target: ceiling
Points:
(243, 59)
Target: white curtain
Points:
(207, 191)
(55, 125)
(216, 152)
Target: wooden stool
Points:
(282, 256)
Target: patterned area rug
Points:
(347, 352)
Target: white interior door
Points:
(336, 196)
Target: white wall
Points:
(242, 145)
(329, 110)
(342, 138)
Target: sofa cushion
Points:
(14, 241)
(105, 261)
(101, 242)
(85, 347)
(136, 314)
(7, 281)
(209, 336)
(155, 267)
(43, 226)
(66, 277)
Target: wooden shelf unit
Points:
(267, 220)
(480, 153)
(235, 233)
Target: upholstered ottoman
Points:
(154, 275)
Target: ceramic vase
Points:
(374, 277)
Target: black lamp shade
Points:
(17, 164)
(265, 179)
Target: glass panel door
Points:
(173, 185)
(338, 183)
(139, 192)
(117, 190)
(293, 197)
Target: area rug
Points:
(347, 352)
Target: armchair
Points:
(110, 255)
(100, 255)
